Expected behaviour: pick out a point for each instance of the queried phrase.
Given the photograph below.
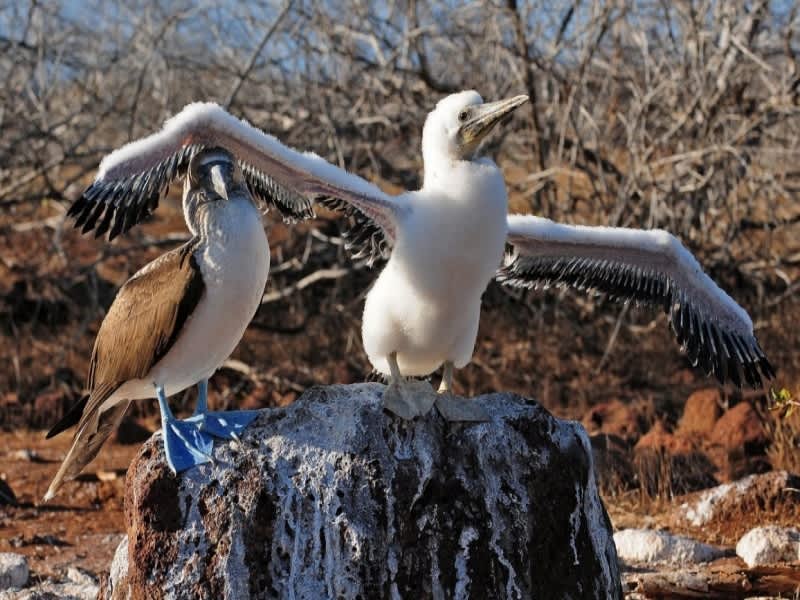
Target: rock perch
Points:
(332, 498)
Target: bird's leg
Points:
(453, 408)
(228, 424)
(202, 397)
(403, 398)
(185, 446)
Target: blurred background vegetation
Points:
(644, 113)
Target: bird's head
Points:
(215, 171)
(212, 179)
(455, 129)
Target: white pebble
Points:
(649, 546)
(769, 545)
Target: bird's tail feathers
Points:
(89, 438)
(72, 417)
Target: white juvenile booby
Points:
(175, 322)
(445, 241)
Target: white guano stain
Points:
(321, 461)
(468, 535)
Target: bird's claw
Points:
(409, 399)
(453, 408)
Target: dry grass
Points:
(784, 448)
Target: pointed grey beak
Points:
(486, 117)
(218, 180)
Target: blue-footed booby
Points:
(175, 322)
(445, 242)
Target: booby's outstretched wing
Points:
(132, 179)
(650, 267)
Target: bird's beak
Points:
(486, 117)
(218, 180)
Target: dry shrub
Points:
(784, 448)
(662, 476)
(646, 114)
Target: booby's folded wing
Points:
(132, 179)
(141, 326)
(651, 267)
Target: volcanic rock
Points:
(332, 498)
(13, 570)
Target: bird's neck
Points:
(439, 171)
(454, 176)
(216, 222)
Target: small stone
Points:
(769, 545)
(81, 577)
(13, 570)
(650, 546)
(24, 454)
(106, 475)
(47, 590)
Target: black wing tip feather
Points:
(728, 355)
(363, 238)
(293, 206)
(115, 206)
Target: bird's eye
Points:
(462, 116)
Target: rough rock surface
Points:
(650, 546)
(740, 427)
(332, 498)
(701, 412)
(13, 570)
(769, 545)
(660, 439)
(614, 418)
(53, 590)
(17, 584)
(751, 494)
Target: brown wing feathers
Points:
(146, 317)
(141, 326)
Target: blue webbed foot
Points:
(185, 445)
(228, 424)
